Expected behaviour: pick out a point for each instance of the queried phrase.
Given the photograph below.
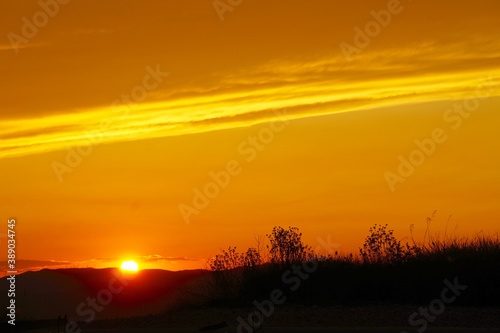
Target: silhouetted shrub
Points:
(252, 258)
(287, 246)
(381, 246)
(229, 259)
(385, 271)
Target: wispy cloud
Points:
(12, 48)
(418, 74)
(156, 260)
(34, 265)
(159, 258)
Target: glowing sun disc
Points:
(129, 266)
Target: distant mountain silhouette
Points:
(48, 293)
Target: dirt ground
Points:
(312, 316)
(294, 318)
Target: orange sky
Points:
(169, 94)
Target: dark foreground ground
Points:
(298, 330)
(314, 316)
(370, 319)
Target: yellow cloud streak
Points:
(245, 101)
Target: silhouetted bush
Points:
(384, 272)
(381, 246)
(287, 246)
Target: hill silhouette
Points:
(48, 293)
(454, 274)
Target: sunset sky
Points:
(326, 115)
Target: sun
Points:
(129, 266)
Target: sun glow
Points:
(129, 266)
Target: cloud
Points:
(306, 88)
(24, 264)
(413, 72)
(151, 258)
(158, 258)
(14, 48)
(34, 265)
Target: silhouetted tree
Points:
(381, 246)
(287, 246)
(228, 260)
(252, 258)
(232, 259)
